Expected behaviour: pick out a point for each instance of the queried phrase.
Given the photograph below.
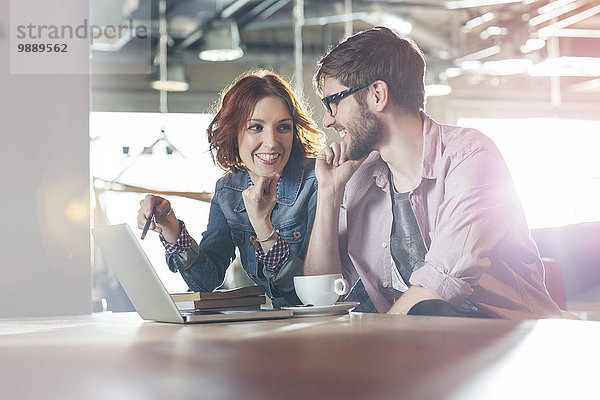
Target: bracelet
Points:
(268, 237)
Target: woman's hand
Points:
(164, 220)
(260, 200)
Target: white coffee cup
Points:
(320, 290)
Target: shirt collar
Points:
(431, 146)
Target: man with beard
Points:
(420, 218)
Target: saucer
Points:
(318, 311)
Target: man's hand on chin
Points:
(333, 169)
(414, 295)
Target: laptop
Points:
(126, 258)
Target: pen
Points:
(148, 221)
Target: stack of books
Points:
(244, 298)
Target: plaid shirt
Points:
(184, 241)
(272, 259)
(276, 256)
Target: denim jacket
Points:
(203, 266)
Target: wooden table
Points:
(357, 356)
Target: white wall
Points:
(44, 205)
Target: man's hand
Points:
(332, 168)
(333, 171)
(412, 296)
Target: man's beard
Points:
(367, 132)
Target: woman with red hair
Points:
(264, 205)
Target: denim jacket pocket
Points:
(293, 232)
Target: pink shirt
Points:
(478, 242)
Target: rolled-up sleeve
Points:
(476, 213)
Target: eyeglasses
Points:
(334, 98)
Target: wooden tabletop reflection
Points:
(356, 356)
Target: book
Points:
(212, 304)
(245, 291)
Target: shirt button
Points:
(384, 284)
(384, 244)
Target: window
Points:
(116, 146)
(554, 165)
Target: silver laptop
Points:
(124, 255)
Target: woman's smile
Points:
(268, 158)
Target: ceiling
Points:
(461, 40)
